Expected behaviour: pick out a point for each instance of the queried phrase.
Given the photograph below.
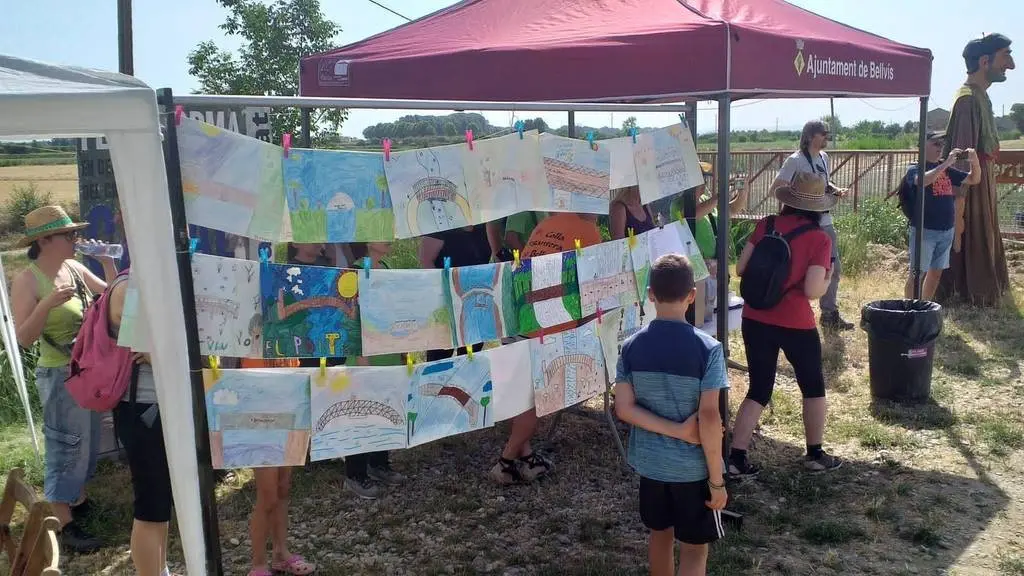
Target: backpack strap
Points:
(769, 225)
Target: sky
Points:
(84, 33)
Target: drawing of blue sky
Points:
(391, 298)
(259, 392)
(439, 413)
(359, 433)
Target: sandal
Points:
(296, 565)
(260, 572)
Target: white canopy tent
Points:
(43, 100)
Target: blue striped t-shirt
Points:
(669, 364)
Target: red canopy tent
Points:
(618, 50)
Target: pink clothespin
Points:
(542, 335)
(599, 313)
(387, 149)
(286, 142)
(469, 138)
(179, 111)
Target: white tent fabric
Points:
(43, 100)
(10, 340)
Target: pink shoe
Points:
(296, 565)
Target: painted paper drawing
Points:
(512, 378)
(505, 176)
(479, 303)
(228, 310)
(449, 397)
(358, 410)
(676, 238)
(231, 182)
(568, 368)
(577, 174)
(257, 418)
(666, 163)
(309, 311)
(606, 277)
(622, 167)
(404, 311)
(428, 190)
(608, 331)
(338, 196)
(545, 292)
(639, 255)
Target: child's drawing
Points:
(666, 163)
(577, 174)
(513, 384)
(338, 196)
(479, 306)
(428, 190)
(568, 368)
(358, 409)
(505, 176)
(606, 277)
(449, 397)
(231, 182)
(228, 311)
(257, 418)
(676, 238)
(622, 168)
(639, 255)
(404, 311)
(608, 331)
(309, 311)
(133, 332)
(545, 292)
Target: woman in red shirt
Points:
(789, 326)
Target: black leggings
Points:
(357, 465)
(801, 347)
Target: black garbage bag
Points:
(910, 322)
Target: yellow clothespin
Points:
(578, 248)
(469, 352)
(631, 241)
(515, 259)
(215, 367)
(408, 363)
(323, 367)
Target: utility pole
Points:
(125, 57)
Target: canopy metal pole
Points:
(921, 167)
(307, 136)
(369, 103)
(207, 482)
(125, 57)
(572, 124)
(722, 248)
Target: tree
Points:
(628, 125)
(833, 123)
(1017, 115)
(274, 35)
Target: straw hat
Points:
(807, 192)
(47, 221)
(707, 169)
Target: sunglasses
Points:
(70, 236)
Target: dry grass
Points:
(60, 180)
(1017, 144)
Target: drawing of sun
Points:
(340, 382)
(348, 284)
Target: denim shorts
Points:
(72, 438)
(935, 247)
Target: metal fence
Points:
(869, 174)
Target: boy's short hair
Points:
(671, 278)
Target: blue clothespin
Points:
(366, 266)
(590, 139)
(265, 255)
(447, 263)
(193, 244)
(520, 126)
(632, 132)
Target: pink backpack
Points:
(100, 370)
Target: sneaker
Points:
(75, 538)
(82, 511)
(742, 468)
(833, 321)
(385, 475)
(507, 472)
(362, 488)
(535, 466)
(825, 462)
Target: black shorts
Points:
(680, 506)
(147, 461)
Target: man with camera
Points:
(940, 179)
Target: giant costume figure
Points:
(977, 272)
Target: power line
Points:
(379, 5)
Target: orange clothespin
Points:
(215, 367)
(286, 143)
(408, 364)
(469, 352)
(515, 259)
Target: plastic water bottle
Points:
(100, 250)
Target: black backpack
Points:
(907, 187)
(763, 283)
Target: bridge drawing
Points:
(576, 179)
(217, 306)
(346, 305)
(570, 378)
(359, 409)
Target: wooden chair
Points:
(38, 552)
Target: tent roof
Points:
(40, 99)
(618, 50)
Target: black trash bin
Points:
(901, 344)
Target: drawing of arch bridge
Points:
(358, 408)
(566, 386)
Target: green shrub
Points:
(739, 233)
(875, 222)
(23, 199)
